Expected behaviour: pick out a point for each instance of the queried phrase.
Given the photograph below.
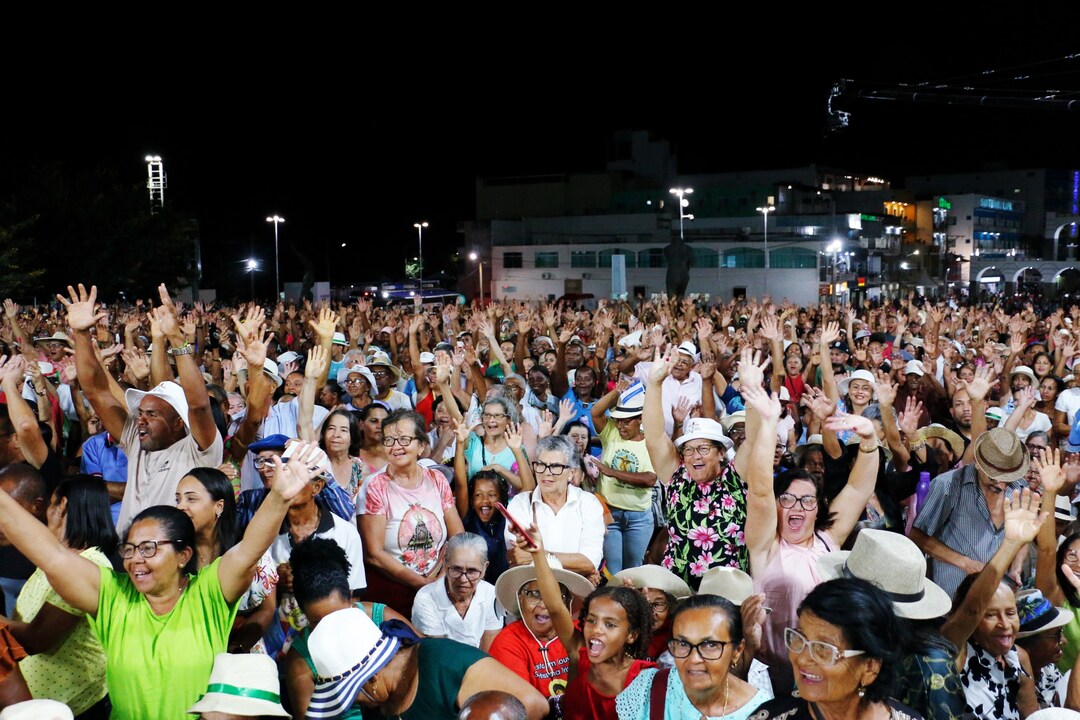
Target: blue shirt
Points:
(582, 410)
(106, 459)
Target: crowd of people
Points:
(643, 510)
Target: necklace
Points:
(727, 688)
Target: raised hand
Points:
(681, 409)
(1026, 398)
(766, 404)
(863, 427)
(751, 368)
(567, 411)
(254, 352)
(11, 309)
(80, 307)
(305, 464)
(661, 366)
(909, 418)
(513, 435)
(979, 386)
(886, 390)
(1051, 474)
(325, 326)
(444, 366)
(317, 362)
(462, 431)
(830, 334)
(1022, 516)
(770, 328)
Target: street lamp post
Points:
(420, 267)
(681, 193)
(765, 210)
(277, 220)
(473, 256)
(834, 248)
(252, 266)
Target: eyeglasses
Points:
(820, 652)
(533, 597)
(707, 649)
(544, 468)
(659, 606)
(403, 441)
(472, 574)
(807, 502)
(354, 381)
(261, 462)
(700, 450)
(493, 416)
(147, 548)
(626, 420)
(1072, 556)
(380, 373)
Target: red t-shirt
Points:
(584, 702)
(545, 666)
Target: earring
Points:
(862, 690)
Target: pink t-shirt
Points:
(415, 519)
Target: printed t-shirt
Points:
(415, 519)
(627, 456)
(544, 665)
(158, 665)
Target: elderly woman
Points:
(789, 522)
(462, 607)
(706, 503)
(844, 649)
(409, 514)
(570, 519)
(389, 669)
(530, 646)
(160, 623)
(706, 641)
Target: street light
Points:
(683, 204)
(765, 217)
(420, 268)
(277, 220)
(474, 257)
(252, 265)
(834, 248)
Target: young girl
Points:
(605, 655)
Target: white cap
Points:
(631, 340)
(168, 391)
(914, 367)
(688, 348)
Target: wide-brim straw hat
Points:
(955, 442)
(703, 429)
(55, 337)
(727, 582)
(631, 402)
(245, 684)
(815, 441)
(655, 577)
(508, 584)
(1001, 455)
(897, 566)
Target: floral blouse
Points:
(705, 525)
(990, 689)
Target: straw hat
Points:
(55, 337)
(727, 582)
(815, 441)
(1001, 455)
(896, 565)
(655, 577)
(956, 443)
(1063, 509)
(347, 649)
(1038, 615)
(242, 685)
(631, 403)
(382, 359)
(508, 584)
(732, 419)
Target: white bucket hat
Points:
(703, 429)
(631, 403)
(343, 375)
(37, 710)
(347, 649)
(896, 565)
(857, 375)
(242, 685)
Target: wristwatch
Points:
(185, 349)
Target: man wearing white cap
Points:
(164, 432)
(683, 382)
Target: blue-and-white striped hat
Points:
(347, 649)
(631, 403)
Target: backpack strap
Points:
(658, 694)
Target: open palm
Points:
(1022, 516)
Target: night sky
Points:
(357, 150)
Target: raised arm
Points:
(977, 390)
(415, 322)
(1052, 476)
(23, 419)
(662, 452)
(317, 363)
(461, 469)
(829, 334)
(770, 330)
(761, 500)
(259, 390)
(600, 408)
(237, 566)
(551, 594)
(12, 312)
(82, 318)
(850, 503)
(886, 395)
(324, 329)
(200, 417)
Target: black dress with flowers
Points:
(706, 524)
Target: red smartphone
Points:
(517, 526)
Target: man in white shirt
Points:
(683, 382)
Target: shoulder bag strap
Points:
(658, 694)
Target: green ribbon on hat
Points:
(243, 692)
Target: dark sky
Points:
(356, 149)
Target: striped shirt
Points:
(955, 512)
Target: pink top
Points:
(788, 578)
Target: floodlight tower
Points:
(156, 182)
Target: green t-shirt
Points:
(159, 665)
(442, 666)
(628, 456)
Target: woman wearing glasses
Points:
(706, 641)
(844, 648)
(789, 522)
(462, 607)
(161, 624)
(571, 520)
(409, 514)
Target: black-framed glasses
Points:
(659, 606)
(707, 649)
(700, 450)
(472, 574)
(822, 653)
(147, 548)
(403, 441)
(554, 468)
(787, 501)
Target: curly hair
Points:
(639, 615)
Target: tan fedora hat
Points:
(655, 577)
(1001, 455)
(956, 443)
(512, 580)
(896, 565)
(727, 582)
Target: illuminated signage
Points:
(944, 204)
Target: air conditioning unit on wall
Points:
(586, 276)
(545, 276)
